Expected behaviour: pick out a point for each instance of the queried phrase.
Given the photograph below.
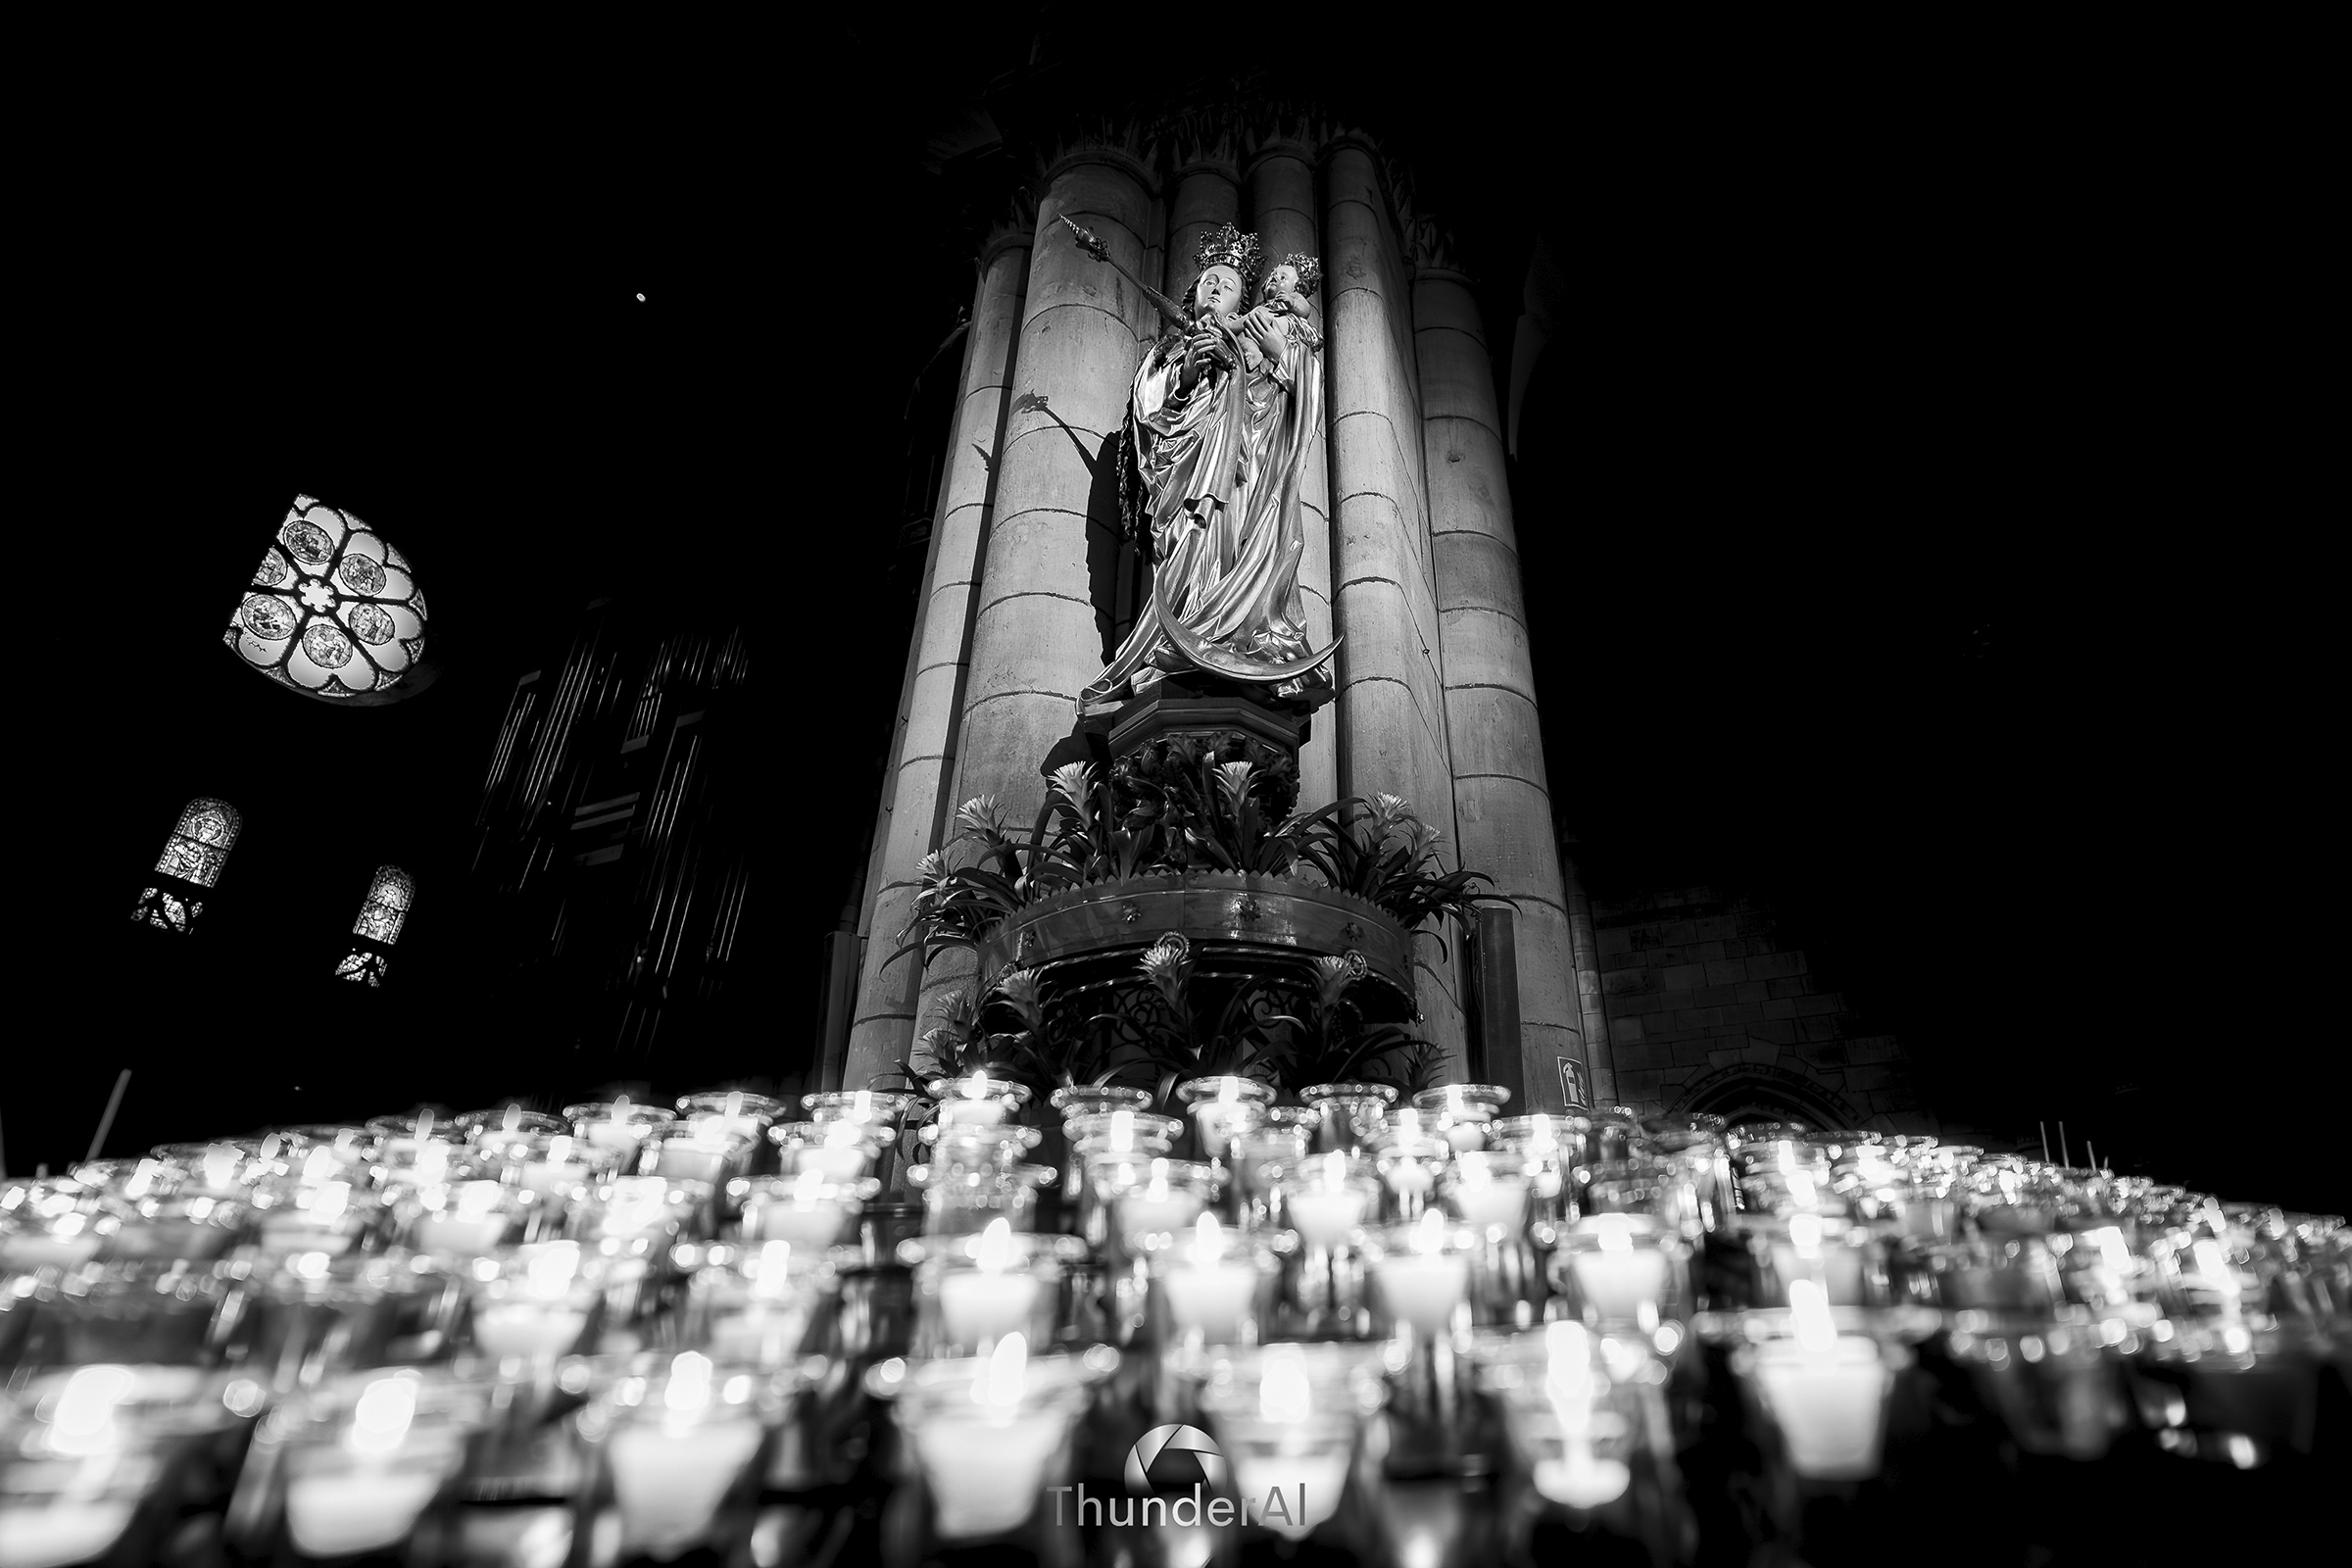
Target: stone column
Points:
(1207, 197)
(1384, 601)
(1503, 801)
(914, 798)
(1600, 1048)
(1038, 633)
(1282, 212)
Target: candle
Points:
(369, 1495)
(835, 1161)
(530, 1328)
(1158, 1207)
(1324, 1217)
(50, 1535)
(1282, 1453)
(1825, 1390)
(671, 1472)
(983, 1305)
(1490, 1202)
(809, 1215)
(468, 1227)
(1423, 1284)
(1209, 1294)
(1616, 1278)
(1578, 1478)
(986, 1463)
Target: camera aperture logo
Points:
(1172, 1472)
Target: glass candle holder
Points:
(196, 1229)
(737, 1112)
(838, 1151)
(161, 1313)
(310, 1316)
(1288, 1419)
(1409, 1165)
(2055, 1382)
(1257, 1155)
(972, 1291)
(1347, 1116)
(509, 1120)
(1621, 1271)
(534, 1302)
(1421, 1276)
(955, 1145)
(1462, 1110)
(129, 1180)
(1221, 1108)
(757, 1306)
(874, 1107)
(1830, 1248)
(1488, 1192)
(989, 1436)
(810, 1210)
(1324, 1198)
(1153, 1196)
(461, 1220)
(675, 1448)
(708, 1152)
(1211, 1285)
(976, 1100)
(619, 1126)
(1579, 1407)
(1700, 1200)
(52, 1224)
(1094, 1099)
(1120, 1135)
(1550, 1147)
(964, 1200)
(218, 1167)
(1820, 1377)
(95, 1463)
(332, 1217)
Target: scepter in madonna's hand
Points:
(1091, 243)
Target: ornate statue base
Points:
(1207, 708)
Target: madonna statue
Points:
(1223, 416)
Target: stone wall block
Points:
(1476, 570)
(1491, 728)
(1486, 648)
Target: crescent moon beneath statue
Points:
(1219, 662)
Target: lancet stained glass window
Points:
(387, 907)
(333, 610)
(200, 842)
(358, 967)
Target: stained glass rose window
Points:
(333, 610)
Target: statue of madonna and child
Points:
(1220, 424)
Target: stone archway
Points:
(1751, 1091)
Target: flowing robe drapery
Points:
(1221, 469)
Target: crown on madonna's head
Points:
(1309, 267)
(1229, 247)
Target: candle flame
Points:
(221, 1165)
(1208, 1237)
(993, 1252)
(1568, 1360)
(734, 1104)
(424, 1125)
(514, 1118)
(689, 1387)
(1614, 1233)
(1810, 1316)
(861, 1107)
(1007, 1376)
(270, 1146)
(83, 1424)
(1229, 1091)
(1804, 1234)
(558, 1149)
(1335, 1169)
(1428, 1236)
(1122, 1130)
(974, 1088)
(1284, 1391)
(381, 1420)
(620, 1107)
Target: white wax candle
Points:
(985, 1476)
(335, 1513)
(52, 1535)
(552, 1178)
(1500, 1201)
(1616, 1283)
(1840, 1270)
(763, 1336)
(816, 1225)
(1324, 1218)
(834, 1162)
(622, 1137)
(1580, 1480)
(532, 1329)
(1168, 1211)
(460, 1234)
(1214, 1298)
(688, 1162)
(980, 1305)
(1423, 1289)
(1323, 1476)
(972, 1112)
(1827, 1403)
(669, 1483)
(1466, 1135)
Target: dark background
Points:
(1901, 510)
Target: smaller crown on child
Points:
(1229, 247)
(1309, 267)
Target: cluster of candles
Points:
(660, 1327)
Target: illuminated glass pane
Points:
(166, 911)
(387, 907)
(333, 610)
(199, 844)
(358, 967)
